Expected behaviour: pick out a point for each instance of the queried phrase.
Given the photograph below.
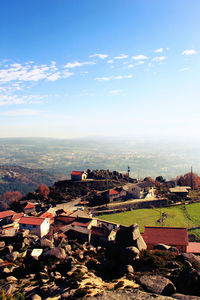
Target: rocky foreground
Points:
(60, 268)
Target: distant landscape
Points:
(35, 160)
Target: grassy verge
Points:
(176, 216)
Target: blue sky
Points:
(72, 68)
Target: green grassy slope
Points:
(176, 216)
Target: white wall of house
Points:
(39, 230)
(108, 225)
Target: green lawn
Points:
(176, 217)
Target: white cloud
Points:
(159, 58)
(159, 50)
(78, 64)
(66, 74)
(130, 66)
(189, 52)
(101, 56)
(121, 56)
(22, 112)
(118, 77)
(115, 92)
(141, 62)
(26, 99)
(139, 57)
(28, 72)
(183, 69)
(110, 61)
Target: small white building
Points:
(36, 225)
(78, 175)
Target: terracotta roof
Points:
(6, 213)
(31, 220)
(81, 222)
(113, 192)
(17, 216)
(100, 231)
(46, 214)
(65, 219)
(193, 248)
(29, 205)
(180, 189)
(166, 235)
(77, 173)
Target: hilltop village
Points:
(53, 242)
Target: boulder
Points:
(9, 289)
(11, 279)
(185, 297)
(27, 242)
(161, 247)
(2, 244)
(44, 242)
(157, 284)
(12, 256)
(129, 254)
(140, 243)
(127, 269)
(36, 297)
(9, 248)
(58, 253)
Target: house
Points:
(6, 214)
(36, 225)
(106, 224)
(9, 218)
(29, 208)
(180, 191)
(80, 233)
(142, 190)
(48, 215)
(78, 175)
(171, 236)
(193, 248)
(113, 195)
(101, 235)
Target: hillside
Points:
(25, 180)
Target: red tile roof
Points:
(31, 220)
(100, 231)
(30, 205)
(6, 213)
(193, 248)
(77, 173)
(17, 216)
(113, 192)
(166, 235)
(46, 214)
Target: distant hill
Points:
(25, 180)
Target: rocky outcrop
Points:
(157, 284)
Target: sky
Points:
(74, 68)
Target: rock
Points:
(27, 242)
(44, 242)
(127, 269)
(9, 289)
(157, 284)
(140, 243)
(129, 254)
(184, 297)
(36, 297)
(161, 247)
(2, 244)
(173, 249)
(12, 256)
(9, 248)
(24, 233)
(189, 257)
(68, 249)
(6, 270)
(172, 265)
(59, 253)
(11, 278)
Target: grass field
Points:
(176, 216)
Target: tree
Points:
(160, 179)
(43, 190)
(188, 179)
(10, 198)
